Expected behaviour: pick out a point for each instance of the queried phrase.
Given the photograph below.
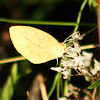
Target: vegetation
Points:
(78, 73)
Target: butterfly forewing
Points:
(34, 44)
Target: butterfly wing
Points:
(34, 44)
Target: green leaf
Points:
(8, 89)
(54, 85)
(95, 84)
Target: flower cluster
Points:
(73, 59)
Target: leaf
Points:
(8, 89)
(95, 84)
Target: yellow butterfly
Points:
(36, 45)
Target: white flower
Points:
(66, 74)
(79, 61)
(87, 58)
(74, 63)
(96, 68)
(62, 98)
(77, 47)
(68, 63)
(64, 71)
(77, 36)
(74, 37)
(58, 69)
(71, 52)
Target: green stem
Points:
(34, 22)
(79, 15)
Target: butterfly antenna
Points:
(89, 31)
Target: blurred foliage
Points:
(8, 89)
(16, 80)
(95, 84)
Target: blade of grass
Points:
(79, 15)
(66, 89)
(98, 19)
(18, 21)
(95, 84)
(8, 60)
(58, 86)
(54, 85)
(8, 89)
(42, 87)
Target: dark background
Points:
(41, 10)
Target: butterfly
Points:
(36, 45)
